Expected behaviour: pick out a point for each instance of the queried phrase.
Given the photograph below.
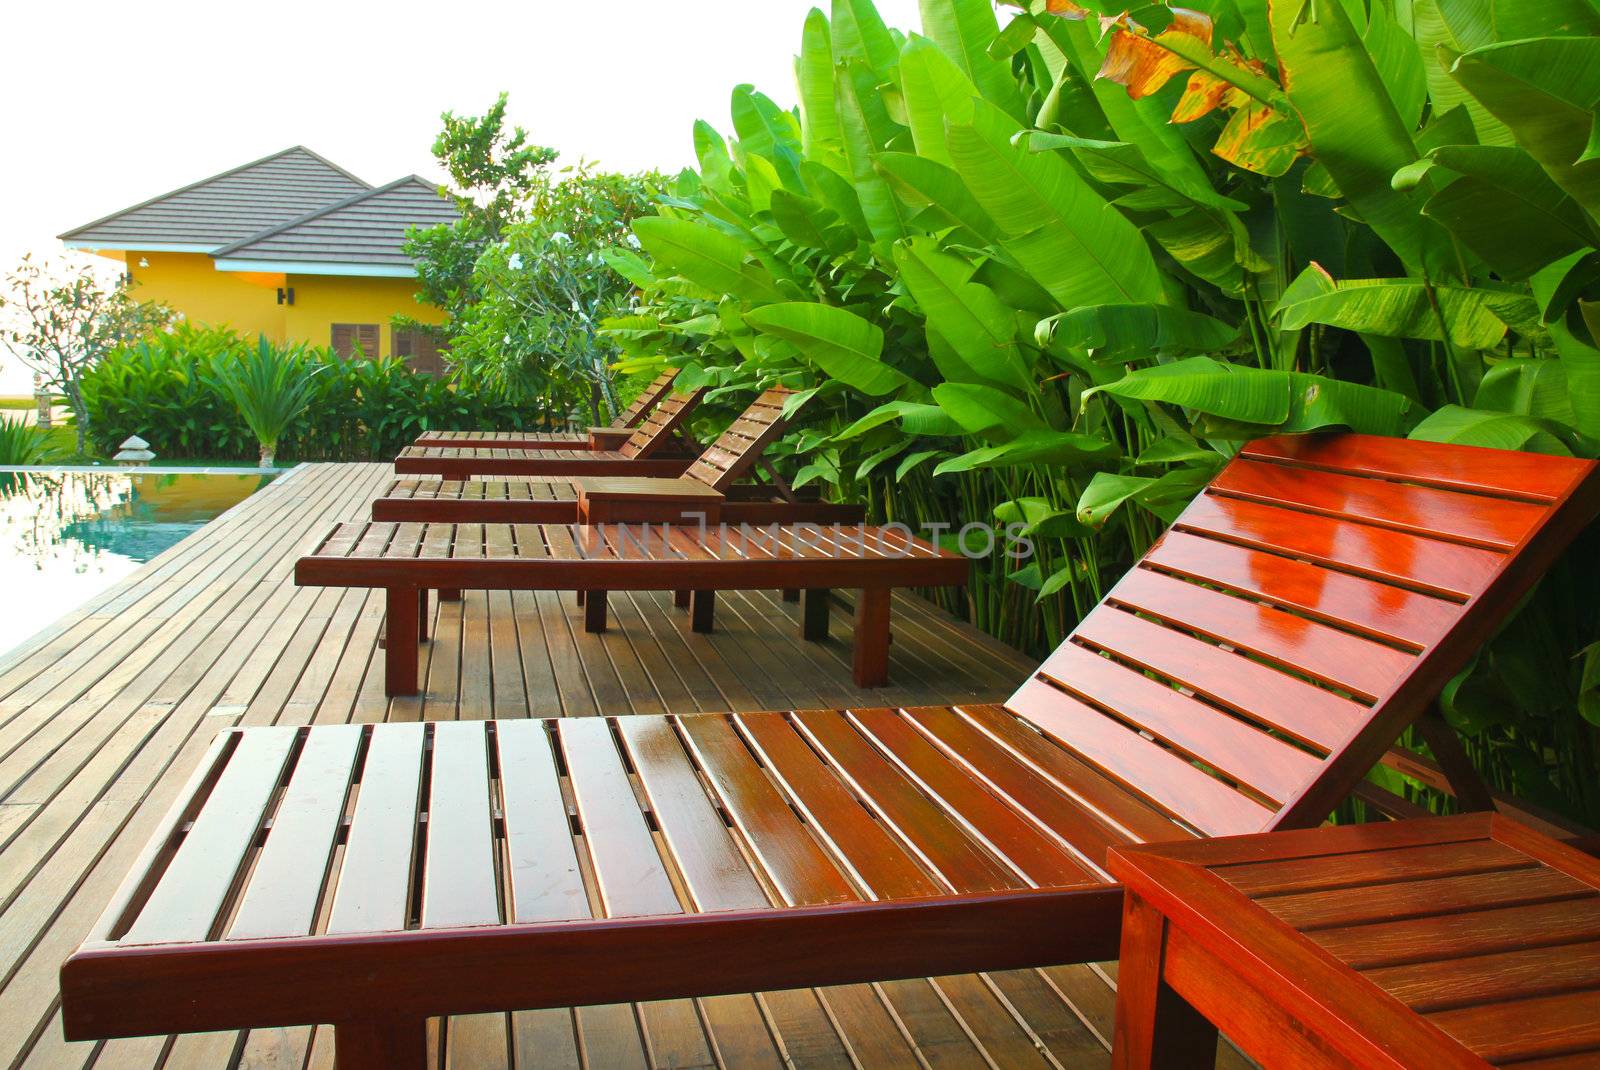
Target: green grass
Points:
(16, 403)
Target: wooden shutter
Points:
(367, 338)
(344, 340)
(404, 342)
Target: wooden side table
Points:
(646, 500)
(1465, 941)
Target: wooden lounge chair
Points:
(408, 560)
(539, 500)
(639, 454)
(1243, 676)
(609, 437)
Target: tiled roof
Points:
(225, 208)
(367, 229)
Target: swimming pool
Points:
(65, 536)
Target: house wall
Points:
(248, 301)
(191, 284)
(320, 301)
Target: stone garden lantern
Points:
(134, 453)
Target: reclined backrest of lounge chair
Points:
(648, 398)
(1311, 602)
(659, 424)
(740, 446)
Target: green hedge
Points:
(364, 409)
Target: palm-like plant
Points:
(21, 444)
(270, 388)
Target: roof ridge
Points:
(354, 198)
(67, 235)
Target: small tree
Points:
(270, 388)
(61, 321)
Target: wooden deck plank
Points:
(114, 706)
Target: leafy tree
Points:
(61, 322)
(521, 273)
(494, 171)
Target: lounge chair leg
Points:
(1156, 1029)
(703, 611)
(381, 1045)
(449, 594)
(681, 599)
(814, 615)
(872, 637)
(791, 594)
(422, 614)
(594, 611)
(401, 629)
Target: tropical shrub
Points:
(1054, 272)
(166, 390)
(269, 388)
(22, 444)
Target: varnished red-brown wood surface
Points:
(1322, 588)
(443, 828)
(636, 456)
(626, 420)
(1464, 941)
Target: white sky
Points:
(110, 103)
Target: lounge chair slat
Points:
(1385, 612)
(285, 889)
(1103, 798)
(1024, 789)
(883, 865)
(1473, 519)
(374, 881)
(1033, 853)
(712, 868)
(1349, 662)
(1167, 779)
(1381, 553)
(1244, 753)
(542, 864)
(1270, 696)
(1503, 472)
(193, 891)
(942, 843)
(632, 878)
(459, 885)
(799, 868)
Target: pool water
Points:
(67, 536)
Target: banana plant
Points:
(1050, 270)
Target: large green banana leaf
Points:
(1129, 332)
(965, 29)
(987, 411)
(1355, 131)
(1503, 207)
(836, 340)
(979, 328)
(920, 178)
(1063, 233)
(1545, 90)
(813, 75)
(860, 115)
(706, 257)
(859, 33)
(1401, 308)
(1497, 430)
(1059, 449)
(934, 90)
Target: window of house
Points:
(419, 348)
(349, 337)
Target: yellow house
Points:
(291, 246)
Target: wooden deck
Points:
(104, 715)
